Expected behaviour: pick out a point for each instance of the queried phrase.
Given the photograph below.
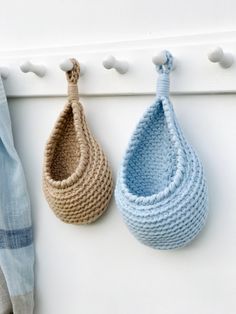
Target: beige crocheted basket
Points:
(77, 179)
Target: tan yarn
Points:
(77, 179)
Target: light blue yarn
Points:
(161, 190)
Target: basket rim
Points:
(77, 109)
(180, 160)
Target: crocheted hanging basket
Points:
(161, 190)
(77, 179)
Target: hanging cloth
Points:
(16, 239)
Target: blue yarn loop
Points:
(163, 82)
(161, 190)
(168, 66)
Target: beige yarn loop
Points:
(77, 179)
(72, 78)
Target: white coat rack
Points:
(204, 64)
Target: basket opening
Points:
(66, 155)
(153, 163)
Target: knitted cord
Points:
(72, 78)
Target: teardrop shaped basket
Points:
(77, 179)
(161, 190)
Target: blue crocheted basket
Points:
(161, 190)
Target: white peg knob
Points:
(160, 59)
(4, 72)
(67, 65)
(38, 69)
(110, 62)
(217, 55)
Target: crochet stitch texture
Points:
(161, 190)
(77, 179)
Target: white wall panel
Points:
(101, 268)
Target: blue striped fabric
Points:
(16, 239)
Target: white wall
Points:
(101, 268)
(28, 23)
